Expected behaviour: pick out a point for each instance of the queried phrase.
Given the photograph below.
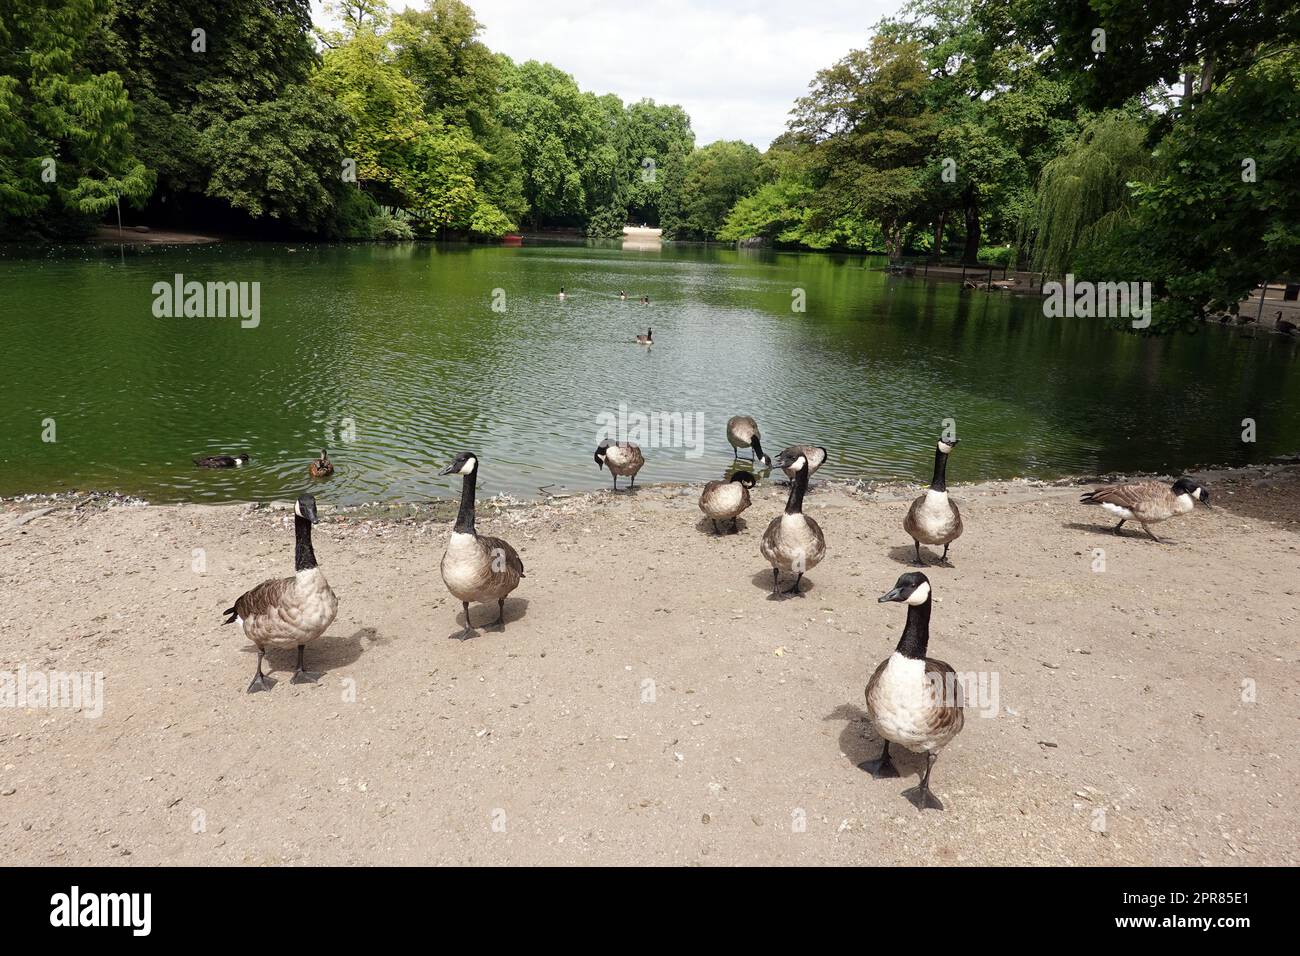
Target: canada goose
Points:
(284, 612)
(647, 339)
(726, 499)
(622, 458)
(815, 454)
(645, 300)
(322, 467)
(1148, 502)
(562, 295)
(622, 294)
(913, 700)
(934, 517)
(475, 567)
(1283, 326)
(221, 461)
(742, 432)
(793, 542)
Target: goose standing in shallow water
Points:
(724, 500)
(742, 432)
(934, 517)
(793, 542)
(815, 454)
(913, 700)
(292, 611)
(322, 467)
(222, 461)
(475, 567)
(623, 459)
(1148, 502)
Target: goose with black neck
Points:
(913, 700)
(477, 568)
(288, 612)
(793, 542)
(934, 517)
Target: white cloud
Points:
(736, 66)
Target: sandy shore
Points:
(648, 701)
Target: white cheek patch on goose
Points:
(466, 468)
(297, 509)
(1117, 510)
(920, 595)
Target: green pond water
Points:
(395, 357)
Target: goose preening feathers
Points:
(647, 339)
(1148, 502)
(934, 517)
(742, 432)
(815, 454)
(913, 700)
(288, 612)
(476, 567)
(322, 467)
(623, 459)
(724, 500)
(222, 461)
(793, 542)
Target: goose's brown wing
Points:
(497, 546)
(263, 599)
(1129, 496)
(946, 720)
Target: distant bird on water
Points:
(322, 467)
(562, 294)
(222, 461)
(647, 339)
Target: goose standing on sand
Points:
(934, 517)
(222, 461)
(724, 500)
(793, 542)
(742, 432)
(647, 339)
(913, 700)
(815, 454)
(1148, 502)
(623, 459)
(475, 567)
(292, 611)
(322, 467)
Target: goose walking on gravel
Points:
(623, 459)
(288, 612)
(724, 500)
(913, 700)
(742, 432)
(793, 542)
(1148, 502)
(934, 518)
(476, 567)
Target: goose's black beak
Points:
(448, 470)
(895, 595)
(600, 461)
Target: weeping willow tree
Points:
(1084, 194)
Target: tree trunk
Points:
(938, 234)
(972, 251)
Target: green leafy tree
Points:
(713, 179)
(66, 150)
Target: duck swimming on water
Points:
(222, 461)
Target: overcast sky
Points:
(735, 65)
